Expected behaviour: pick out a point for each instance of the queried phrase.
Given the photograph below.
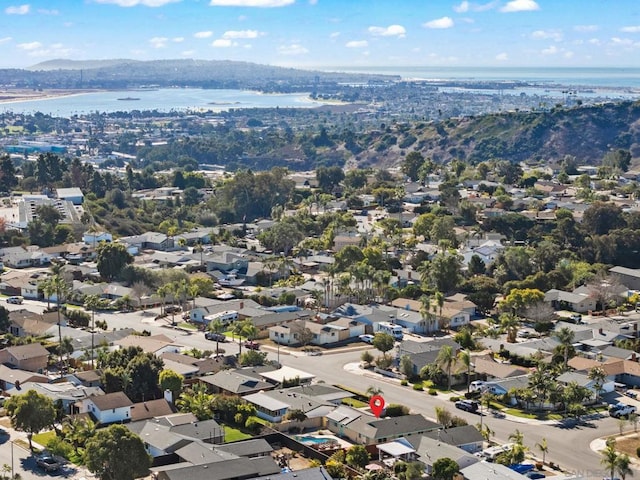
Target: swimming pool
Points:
(314, 440)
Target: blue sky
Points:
(312, 33)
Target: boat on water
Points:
(128, 99)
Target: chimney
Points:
(241, 305)
(633, 357)
(409, 274)
(168, 396)
(600, 331)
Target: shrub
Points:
(58, 447)
(404, 382)
(396, 410)
(253, 425)
(417, 386)
(433, 391)
(454, 399)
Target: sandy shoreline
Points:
(28, 95)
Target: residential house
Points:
(66, 393)
(366, 430)
(582, 379)
(488, 251)
(156, 344)
(147, 241)
(110, 408)
(577, 302)
(426, 450)
(24, 323)
(21, 283)
(308, 332)
(421, 354)
(14, 377)
(239, 381)
(466, 437)
(275, 404)
(204, 365)
(627, 276)
(32, 357)
(233, 469)
(205, 309)
(494, 471)
(487, 368)
(19, 257)
(88, 378)
(150, 409)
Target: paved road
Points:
(568, 443)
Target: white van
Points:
(16, 299)
(491, 453)
(477, 386)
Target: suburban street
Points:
(569, 443)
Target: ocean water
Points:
(578, 77)
(164, 99)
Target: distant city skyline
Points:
(322, 33)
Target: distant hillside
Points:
(585, 132)
(121, 74)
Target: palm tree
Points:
(216, 326)
(544, 448)
(623, 466)
(464, 356)
(565, 336)
(445, 360)
(509, 324)
(610, 457)
(598, 375)
(439, 302)
(373, 390)
(238, 330)
(425, 310)
(196, 400)
(92, 302)
(59, 286)
(66, 347)
(516, 436)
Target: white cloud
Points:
(552, 50)
(334, 35)
(135, 3)
(30, 46)
(206, 34)
(631, 29)
(242, 34)
(293, 49)
(313, 2)
(595, 41)
(390, 31)
(466, 6)
(444, 22)
(357, 44)
(502, 57)
(624, 42)
(222, 43)
(44, 11)
(586, 28)
(158, 42)
(251, 3)
(177, 39)
(462, 8)
(547, 34)
(568, 54)
(188, 53)
(520, 6)
(17, 9)
(5, 40)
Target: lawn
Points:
(628, 444)
(187, 326)
(44, 437)
(233, 434)
(354, 403)
(516, 412)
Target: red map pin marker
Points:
(377, 405)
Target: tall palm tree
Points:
(464, 356)
(438, 297)
(598, 375)
(66, 348)
(61, 288)
(565, 336)
(445, 360)
(425, 310)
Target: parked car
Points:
(216, 337)
(477, 386)
(522, 468)
(467, 405)
(172, 309)
(251, 345)
(366, 338)
(48, 463)
(16, 300)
